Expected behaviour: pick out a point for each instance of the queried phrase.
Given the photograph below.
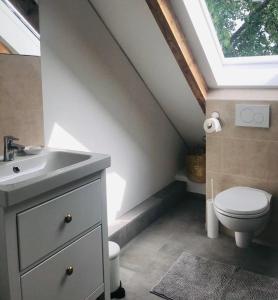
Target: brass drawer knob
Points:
(69, 271)
(68, 218)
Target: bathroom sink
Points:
(28, 176)
(27, 167)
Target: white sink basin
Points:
(27, 167)
(28, 176)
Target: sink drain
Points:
(16, 169)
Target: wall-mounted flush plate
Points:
(252, 115)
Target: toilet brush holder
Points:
(211, 220)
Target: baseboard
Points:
(194, 187)
(133, 222)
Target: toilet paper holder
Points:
(215, 115)
(213, 124)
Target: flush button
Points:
(252, 115)
(258, 118)
(247, 115)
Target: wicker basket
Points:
(196, 167)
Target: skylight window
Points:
(246, 27)
(253, 61)
(17, 35)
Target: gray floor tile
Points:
(146, 258)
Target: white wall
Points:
(134, 27)
(94, 100)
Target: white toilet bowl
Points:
(243, 210)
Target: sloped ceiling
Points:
(133, 26)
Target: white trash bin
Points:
(117, 291)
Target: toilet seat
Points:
(242, 202)
(242, 216)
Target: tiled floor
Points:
(148, 256)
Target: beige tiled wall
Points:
(21, 99)
(244, 156)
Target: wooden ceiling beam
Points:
(171, 29)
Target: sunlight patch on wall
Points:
(62, 139)
(116, 186)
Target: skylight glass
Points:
(246, 27)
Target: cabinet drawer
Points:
(50, 281)
(45, 227)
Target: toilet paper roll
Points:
(212, 125)
(212, 221)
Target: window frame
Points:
(15, 33)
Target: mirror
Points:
(21, 108)
(19, 27)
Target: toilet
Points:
(243, 210)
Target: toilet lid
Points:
(242, 200)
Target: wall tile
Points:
(272, 161)
(222, 181)
(227, 115)
(213, 147)
(245, 157)
(21, 111)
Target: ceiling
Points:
(133, 26)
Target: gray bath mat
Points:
(197, 278)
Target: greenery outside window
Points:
(246, 27)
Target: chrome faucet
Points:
(10, 147)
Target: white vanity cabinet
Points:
(54, 246)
